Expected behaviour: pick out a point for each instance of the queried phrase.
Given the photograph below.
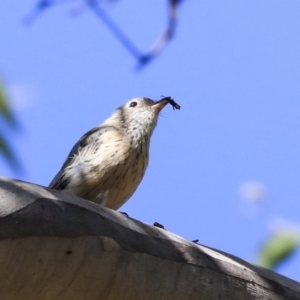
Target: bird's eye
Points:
(133, 104)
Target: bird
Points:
(108, 163)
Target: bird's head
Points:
(139, 116)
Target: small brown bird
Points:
(108, 163)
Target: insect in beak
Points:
(160, 104)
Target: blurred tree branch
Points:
(95, 5)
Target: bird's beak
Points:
(160, 104)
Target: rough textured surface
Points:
(55, 246)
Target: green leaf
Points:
(278, 247)
(8, 153)
(4, 107)
(6, 113)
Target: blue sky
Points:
(234, 68)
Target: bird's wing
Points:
(87, 144)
